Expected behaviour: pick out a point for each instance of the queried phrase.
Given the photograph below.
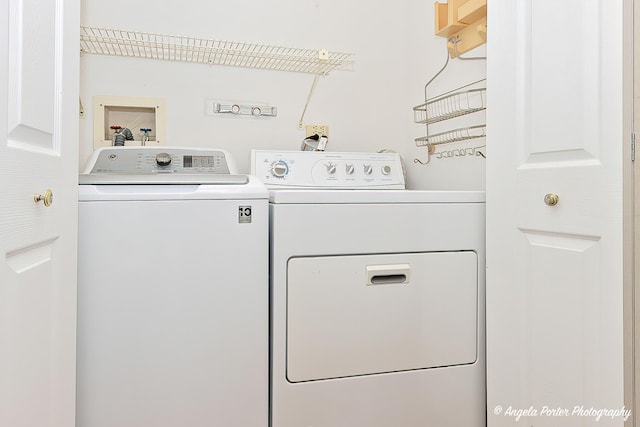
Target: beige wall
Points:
(367, 109)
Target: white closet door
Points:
(39, 57)
(558, 124)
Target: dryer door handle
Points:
(388, 274)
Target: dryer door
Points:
(368, 314)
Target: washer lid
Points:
(197, 189)
(160, 179)
(290, 196)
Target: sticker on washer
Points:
(244, 214)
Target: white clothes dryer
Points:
(377, 295)
(172, 291)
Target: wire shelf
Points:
(455, 135)
(451, 105)
(102, 41)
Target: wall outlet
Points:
(321, 130)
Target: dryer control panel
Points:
(330, 170)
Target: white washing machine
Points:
(377, 295)
(172, 291)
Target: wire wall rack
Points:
(455, 135)
(461, 101)
(112, 42)
(451, 105)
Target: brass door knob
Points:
(46, 198)
(551, 199)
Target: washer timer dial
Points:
(163, 159)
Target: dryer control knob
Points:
(386, 170)
(280, 169)
(368, 169)
(349, 168)
(331, 168)
(163, 159)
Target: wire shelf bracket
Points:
(112, 42)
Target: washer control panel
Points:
(322, 169)
(150, 160)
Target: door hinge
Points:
(633, 147)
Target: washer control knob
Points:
(386, 170)
(331, 168)
(163, 159)
(368, 169)
(280, 169)
(349, 168)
